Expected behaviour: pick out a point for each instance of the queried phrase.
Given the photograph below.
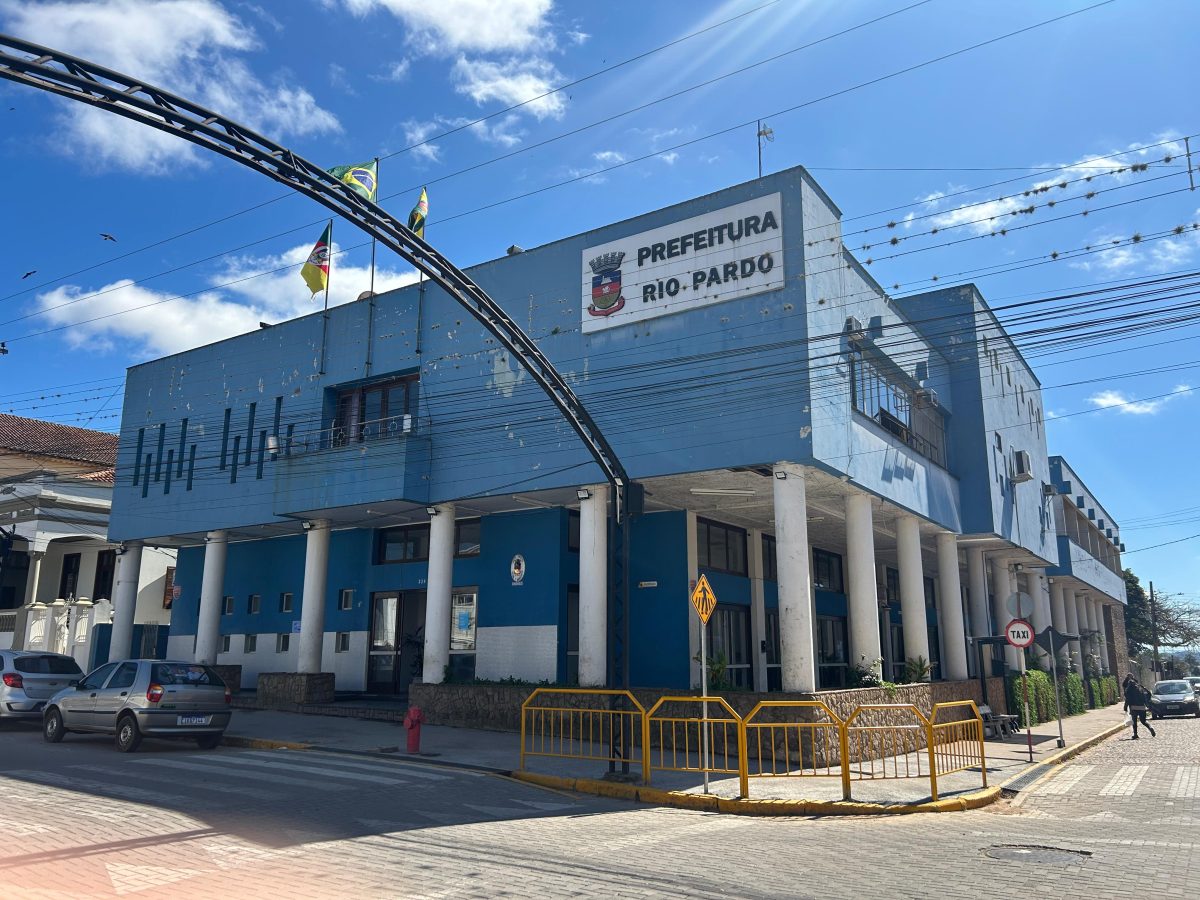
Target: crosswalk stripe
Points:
(1186, 784)
(326, 771)
(1065, 780)
(95, 786)
(382, 767)
(223, 767)
(1125, 782)
(167, 776)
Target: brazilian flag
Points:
(362, 178)
(420, 212)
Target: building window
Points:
(68, 584)
(254, 604)
(227, 606)
(408, 543)
(224, 643)
(770, 560)
(729, 641)
(250, 643)
(833, 655)
(573, 634)
(930, 593)
(341, 642)
(106, 565)
(285, 601)
(463, 608)
(891, 587)
(466, 537)
(573, 531)
(721, 547)
(346, 598)
(827, 571)
(908, 413)
(282, 642)
(374, 411)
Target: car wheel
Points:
(209, 741)
(128, 734)
(52, 727)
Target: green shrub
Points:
(1041, 698)
(1104, 691)
(1071, 695)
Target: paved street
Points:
(81, 820)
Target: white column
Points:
(758, 611)
(1041, 612)
(1074, 626)
(796, 636)
(212, 590)
(693, 574)
(1102, 634)
(977, 598)
(312, 604)
(860, 583)
(950, 612)
(912, 588)
(1093, 614)
(1058, 610)
(54, 638)
(593, 588)
(124, 599)
(438, 587)
(21, 625)
(1001, 588)
(1085, 642)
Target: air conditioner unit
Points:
(1022, 469)
(854, 331)
(1049, 490)
(925, 398)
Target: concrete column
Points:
(1074, 626)
(977, 598)
(1058, 610)
(312, 603)
(1041, 613)
(1085, 641)
(950, 611)
(860, 583)
(438, 587)
(1094, 625)
(54, 638)
(1002, 586)
(693, 574)
(794, 563)
(21, 623)
(212, 590)
(912, 588)
(124, 600)
(758, 610)
(593, 588)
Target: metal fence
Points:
(584, 724)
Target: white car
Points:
(28, 678)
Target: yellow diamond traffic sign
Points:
(704, 599)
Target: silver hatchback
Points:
(142, 697)
(29, 678)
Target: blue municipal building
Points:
(383, 493)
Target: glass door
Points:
(729, 646)
(397, 645)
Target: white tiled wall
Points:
(529, 652)
(349, 668)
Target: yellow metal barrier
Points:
(956, 746)
(884, 749)
(593, 731)
(793, 749)
(677, 739)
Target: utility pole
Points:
(1154, 630)
(763, 133)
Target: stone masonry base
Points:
(287, 690)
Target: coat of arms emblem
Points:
(606, 284)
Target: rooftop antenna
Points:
(764, 132)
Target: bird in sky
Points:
(108, 237)
(27, 274)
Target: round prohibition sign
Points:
(1019, 633)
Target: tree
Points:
(1178, 620)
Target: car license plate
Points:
(193, 720)
(1172, 706)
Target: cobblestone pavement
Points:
(81, 820)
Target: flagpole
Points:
(373, 239)
(325, 314)
(371, 298)
(421, 290)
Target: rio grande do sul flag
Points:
(316, 271)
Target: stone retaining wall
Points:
(291, 690)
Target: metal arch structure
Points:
(77, 79)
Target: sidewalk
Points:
(1007, 761)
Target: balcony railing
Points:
(393, 428)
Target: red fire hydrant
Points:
(413, 721)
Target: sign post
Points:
(1052, 641)
(704, 600)
(1019, 634)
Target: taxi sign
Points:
(704, 599)
(1019, 633)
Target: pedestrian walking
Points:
(1136, 700)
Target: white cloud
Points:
(510, 82)
(416, 132)
(147, 323)
(669, 158)
(1111, 399)
(449, 26)
(395, 71)
(578, 37)
(339, 79)
(609, 157)
(189, 47)
(1125, 256)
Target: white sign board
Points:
(732, 252)
(1019, 633)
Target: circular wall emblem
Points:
(516, 569)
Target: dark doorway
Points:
(397, 641)
(68, 584)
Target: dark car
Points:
(1174, 698)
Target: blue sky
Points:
(341, 81)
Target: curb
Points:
(1063, 755)
(709, 803)
(235, 740)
